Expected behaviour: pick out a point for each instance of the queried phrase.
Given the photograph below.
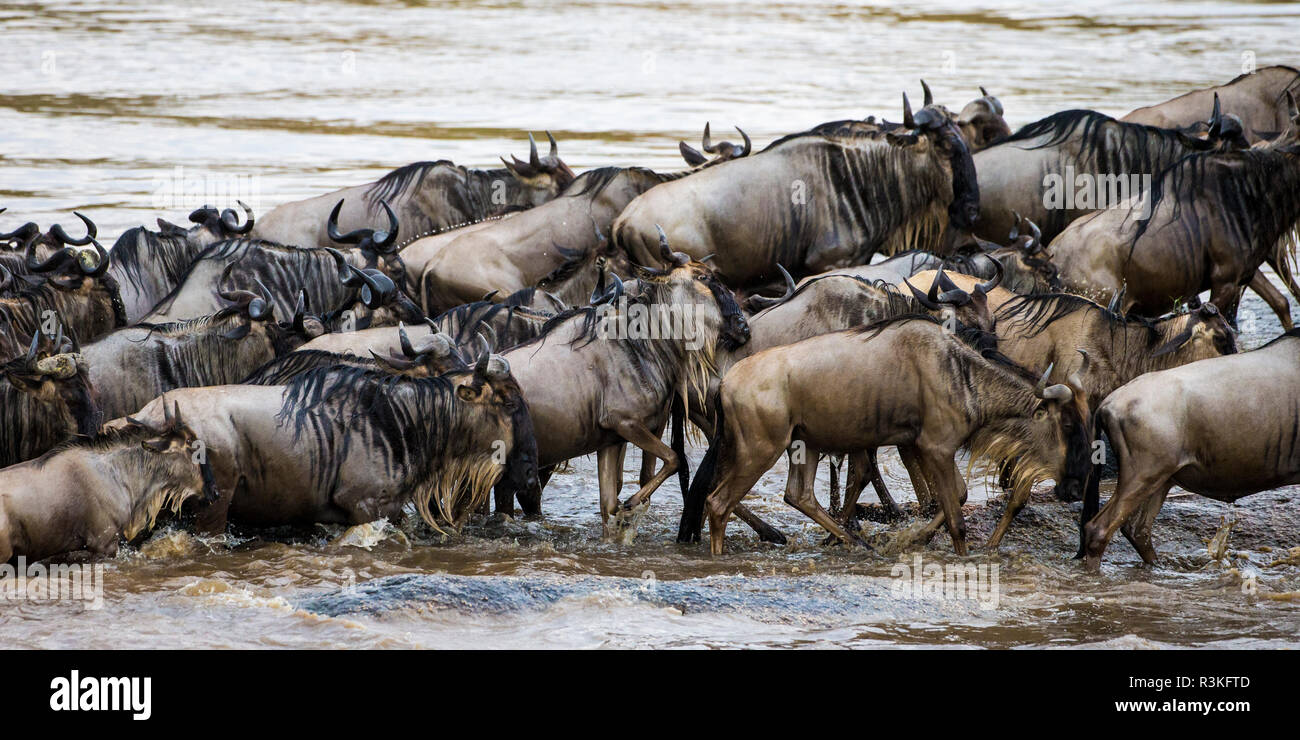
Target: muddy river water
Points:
(127, 110)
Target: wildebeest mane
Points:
(1254, 193)
(280, 370)
(407, 420)
(139, 252)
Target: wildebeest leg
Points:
(941, 472)
(609, 471)
(211, 518)
(650, 444)
(648, 462)
(925, 498)
(530, 502)
(503, 498)
(799, 494)
(738, 478)
(765, 531)
(872, 468)
(833, 462)
(1138, 528)
(1225, 294)
(1275, 300)
(1134, 491)
(1016, 501)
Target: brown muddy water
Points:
(101, 102)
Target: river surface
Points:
(129, 110)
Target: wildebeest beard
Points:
(417, 427)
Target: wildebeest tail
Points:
(678, 443)
(1092, 491)
(705, 479)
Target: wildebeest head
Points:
(1200, 333)
(688, 283)
(499, 419)
(255, 313)
(1029, 267)
(1053, 440)
(379, 301)
(44, 397)
(934, 130)
(431, 354)
(722, 150)
(543, 177)
(178, 457)
(1221, 131)
(952, 304)
(981, 121)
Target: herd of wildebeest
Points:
(440, 339)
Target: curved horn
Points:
(407, 348)
(993, 282)
(1116, 304)
(299, 312)
(1035, 242)
(231, 221)
(758, 302)
(1075, 379)
(400, 364)
(533, 159)
(22, 233)
(262, 308)
(555, 149)
(1042, 382)
(1015, 227)
(382, 239)
(665, 253)
(101, 264)
(332, 226)
(1059, 392)
(691, 155)
(928, 99)
(707, 141)
(31, 349)
(908, 120)
(168, 419)
(56, 260)
(749, 145)
(922, 298)
(1216, 115)
(91, 232)
(984, 92)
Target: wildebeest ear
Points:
(28, 383)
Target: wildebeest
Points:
(816, 201)
(598, 378)
(333, 279)
(1210, 221)
(1258, 98)
(350, 445)
(131, 366)
(45, 397)
(505, 324)
(90, 492)
(836, 301)
(149, 264)
(981, 122)
(906, 381)
(1175, 427)
(1097, 350)
(428, 196)
(554, 246)
(69, 289)
(1054, 170)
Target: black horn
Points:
(91, 232)
(928, 99)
